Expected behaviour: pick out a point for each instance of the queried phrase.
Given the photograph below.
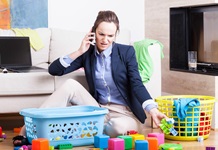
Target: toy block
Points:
(115, 144)
(0, 131)
(17, 147)
(17, 130)
(200, 139)
(131, 132)
(136, 137)
(160, 137)
(3, 136)
(141, 144)
(24, 147)
(51, 147)
(172, 146)
(101, 141)
(210, 148)
(167, 126)
(65, 146)
(127, 141)
(40, 144)
(152, 142)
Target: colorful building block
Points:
(101, 141)
(3, 136)
(152, 142)
(17, 147)
(24, 147)
(136, 137)
(167, 146)
(65, 146)
(167, 126)
(160, 137)
(0, 131)
(116, 144)
(17, 130)
(200, 139)
(127, 141)
(141, 145)
(131, 132)
(210, 148)
(40, 144)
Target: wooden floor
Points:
(187, 145)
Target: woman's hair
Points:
(106, 16)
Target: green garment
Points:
(145, 63)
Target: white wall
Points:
(81, 14)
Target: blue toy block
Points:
(173, 131)
(17, 147)
(141, 144)
(101, 141)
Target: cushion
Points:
(64, 42)
(41, 56)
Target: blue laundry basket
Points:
(76, 125)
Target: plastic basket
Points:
(197, 122)
(76, 125)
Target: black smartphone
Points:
(91, 40)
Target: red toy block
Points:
(159, 136)
(131, 132)
(40, 144)
(115, 144)
(0, 131)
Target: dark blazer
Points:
(124, 71)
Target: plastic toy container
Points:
(76, 125)
(197, 122)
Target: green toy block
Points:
(167, 146)
(65, 146)
(127, 141)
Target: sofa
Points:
(30, 89)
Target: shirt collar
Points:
(106, 52)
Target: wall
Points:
(157, 27)
(80, 15)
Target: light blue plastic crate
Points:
(76, 124)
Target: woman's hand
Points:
(157, 116)
(84, 45)
(86, 42)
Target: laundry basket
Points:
(197, 122)
(76, 125)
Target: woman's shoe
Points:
(20, 140)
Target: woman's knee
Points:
(116, 127)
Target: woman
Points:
(112, 74)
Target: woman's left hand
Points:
(157, 116)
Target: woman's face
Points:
(105, 35)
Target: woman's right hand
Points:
(86, 42)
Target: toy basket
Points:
(197, 122)
(76, 125)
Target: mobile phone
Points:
(92, 40)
